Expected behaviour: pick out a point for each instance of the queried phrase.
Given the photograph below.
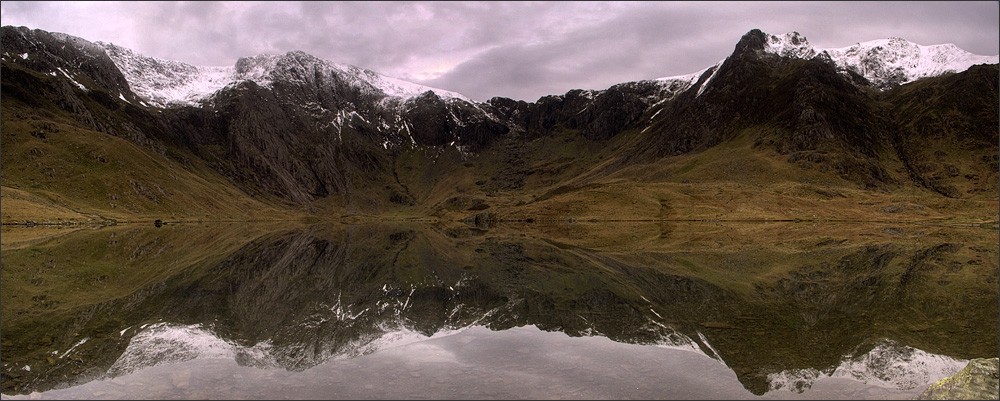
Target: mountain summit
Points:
(885, 63)
(163, 82)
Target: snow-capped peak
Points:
(164, 82)
(791, 44)
(889, 364)
(897, 61)
(884, 62)
(161, 82)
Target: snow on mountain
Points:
(889, 364)
(789, 45)
(680, 83)
(892, 364)
(164, 82)
(884, 62)
(684, 81)
(161, 82)
(404, 89)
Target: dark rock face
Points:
(73, 75)
(427, 114)
(597, 115)
(750, 42)
(960, 109)
(617, 107)
(437, 122)
(52, 51)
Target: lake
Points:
(664, 310)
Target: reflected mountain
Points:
(780, 304)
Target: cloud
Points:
(521, 50)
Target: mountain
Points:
(871, 123)
(885, 63)
(164, 82)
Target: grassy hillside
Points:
(57, 287)
(57, 170)
(567, 177)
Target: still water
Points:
(582, 311)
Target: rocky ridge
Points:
(164, 83)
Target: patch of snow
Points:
(409, 134)
(355, 114)
(790, 44)
(894, 58)
(403, 89)
(689, 79)
(796, 381)
(24, 56)
(715, 70)
(74, 347)
(883, 61)
(163, 82)
(674, 339)
(70, 77)
(715, 354)
(680, 83)
(888, 364)
(167, 343)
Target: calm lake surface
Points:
(418, 310)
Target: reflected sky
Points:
(519, 363)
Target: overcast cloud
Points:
(521, 50)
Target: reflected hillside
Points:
(780, 304)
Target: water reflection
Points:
(776, 308)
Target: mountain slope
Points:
(68, 144)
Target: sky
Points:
(521, 50)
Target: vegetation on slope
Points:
(58, 170)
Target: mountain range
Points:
(94, 132)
